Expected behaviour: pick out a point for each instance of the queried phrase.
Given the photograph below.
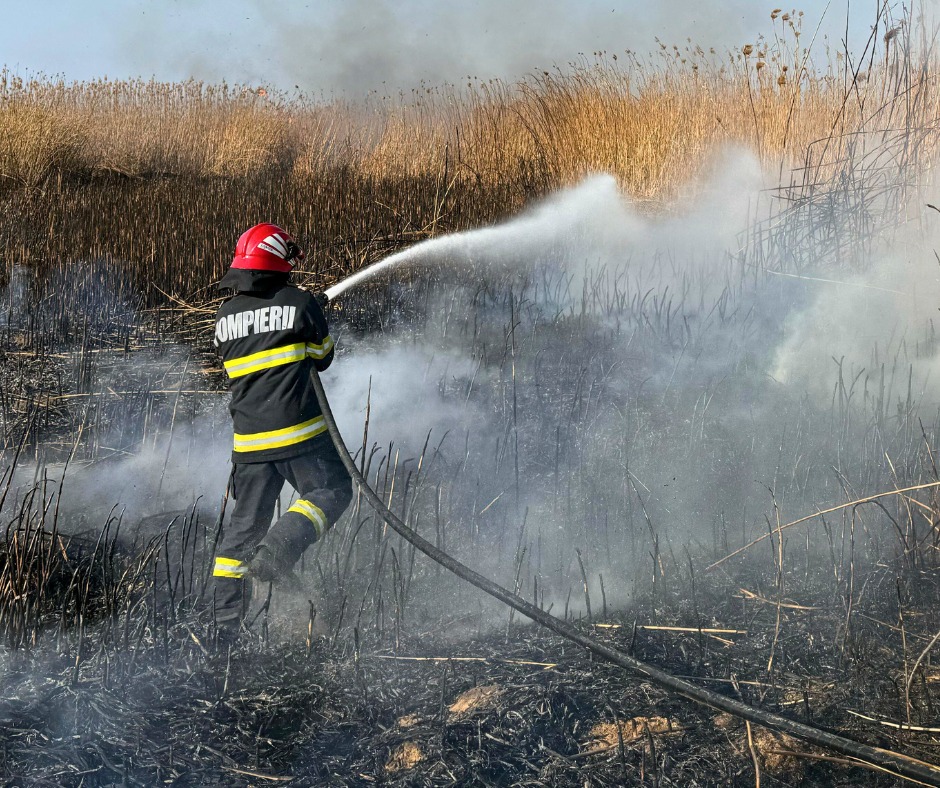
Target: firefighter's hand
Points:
(322, 299)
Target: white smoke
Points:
(363, 46)
(401, 388)
(880, 322)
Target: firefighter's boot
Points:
(266, 567)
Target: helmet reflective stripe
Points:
(277, 242)
(271, 249)
(275, 439)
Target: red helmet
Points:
(266, 247)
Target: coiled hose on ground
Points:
(896, 763)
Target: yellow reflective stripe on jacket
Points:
(322, 350)
(259, 441)
(275, 357)
(229, 567)
(313, 513)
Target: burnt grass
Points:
(165, 707)
(112, 672)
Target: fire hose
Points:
(897, 764)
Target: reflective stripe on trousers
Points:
(313, 513)
(229, 567)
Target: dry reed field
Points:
(581, 403)
(119, 169)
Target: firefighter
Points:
(269, 335)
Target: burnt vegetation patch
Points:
(519, 706)
(594, 423)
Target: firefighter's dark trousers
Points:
(325, 491)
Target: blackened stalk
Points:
(898, 763)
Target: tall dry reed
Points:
(164, 176)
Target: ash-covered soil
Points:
(159, 703)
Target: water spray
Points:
(579, 204)
(433, 245)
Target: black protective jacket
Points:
(268, 335)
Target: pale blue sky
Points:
(356, 45)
